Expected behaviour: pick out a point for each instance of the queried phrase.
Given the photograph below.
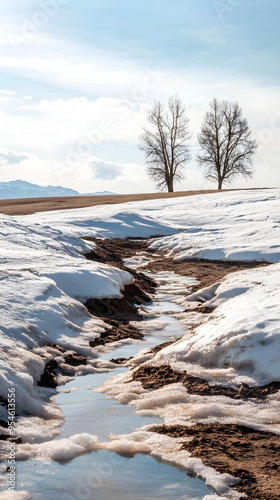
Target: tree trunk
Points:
(170, 186)
(220, 182)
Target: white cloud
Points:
(7, 92)
(57, 132)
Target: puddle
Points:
(103, 475)
(107, 476)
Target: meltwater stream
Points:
(104, 475)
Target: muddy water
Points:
(103, 475)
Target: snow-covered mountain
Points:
(22, 189)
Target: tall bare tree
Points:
(226, 143)
(165, 144)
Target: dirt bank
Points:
(155, 377)
(250, 455)
(207, 272)
(26, 206)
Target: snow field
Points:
(44, 280)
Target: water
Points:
(104, 475)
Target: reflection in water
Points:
(103, 475)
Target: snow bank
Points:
(240, 342)
(44, 280)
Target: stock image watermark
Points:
(47, 10)
(11, 459)
(120, 110)
(100, 473)
(225, 7)
(267, 135)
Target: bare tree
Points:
(226, 143)
(165, 145)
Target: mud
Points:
(48, 377)
(113, 251)
(250, 455)
(156, 377)
(117, 331)
(207, 272)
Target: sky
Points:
(77, 78)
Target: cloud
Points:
(91, 144)
(8, 92)
(106, 170)
(11, 158)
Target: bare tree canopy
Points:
(226, 143)
(165, 145)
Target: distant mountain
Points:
(99, 193)
(22, 189)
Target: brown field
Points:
(25, 206)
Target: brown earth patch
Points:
(113, 251)
(117, 313)
(52, 369)
(48, 377)
(118, 331)
(156, 377)
(74, 359)
(250, 455)
(207, 272)
(119, 361)
(26, 206)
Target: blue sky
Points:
(77, 78)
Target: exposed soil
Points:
(113, 252)
(250, 455)
(48, 377)
(117, 313)
(155, 377)
(75, 359)
(207, 272)
(26, 206)
(118, 331)
(52, 369)
(120, 361)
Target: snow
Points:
(237, 225)
(61, 449)
(160, 447)
(45, 281)
(240, 342)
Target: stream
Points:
(104, 475)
